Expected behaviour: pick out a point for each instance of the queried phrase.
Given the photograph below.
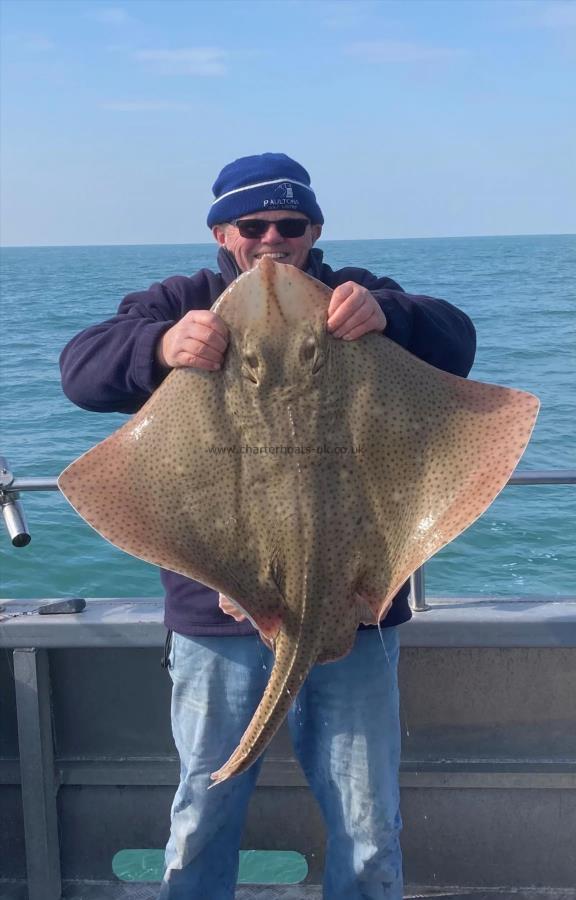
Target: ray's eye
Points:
(308, 350)
(250, 367)
(311, 355)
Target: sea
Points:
(519, 291)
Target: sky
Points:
(416, 118)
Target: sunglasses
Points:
(257, 228)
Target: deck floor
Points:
(108, 891)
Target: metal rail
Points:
(530, 476)
(32, 484)
(11, 487)
(534, 476)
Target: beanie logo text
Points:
(283, 198)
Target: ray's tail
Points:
(293, 660)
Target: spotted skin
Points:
(306, 480)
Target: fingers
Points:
(353, 311)
(357, 325)
(199, 339)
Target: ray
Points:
(306, 480)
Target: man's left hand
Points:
(353, 311)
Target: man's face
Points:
(247, 251)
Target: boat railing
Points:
(15, 521)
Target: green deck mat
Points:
(256, 866)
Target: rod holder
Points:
(12, 509)
(15, 520)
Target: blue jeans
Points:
(346, 734)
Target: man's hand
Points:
(229, 607)
(353, 311)
(199, 339)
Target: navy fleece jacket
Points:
(112, 367)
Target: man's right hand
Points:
(199, 339)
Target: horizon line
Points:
(443, 237)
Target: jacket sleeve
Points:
(431, 329)
(112, 366)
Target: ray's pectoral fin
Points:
(156, 489)
(450, 450)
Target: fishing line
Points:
(382, 642)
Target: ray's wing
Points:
(436, 451)
(166, 487)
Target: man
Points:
(344, 723)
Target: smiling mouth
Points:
(272, 255)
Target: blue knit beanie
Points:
(271, 181)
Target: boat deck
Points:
(488, 773)
(107, 891)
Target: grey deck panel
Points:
(314, 892)
(448, 622)
(38, 776)
(102, 891)
(489, 749)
